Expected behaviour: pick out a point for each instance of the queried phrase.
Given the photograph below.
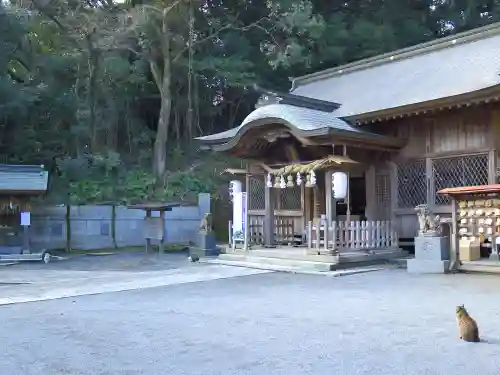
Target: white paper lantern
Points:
(269, 181)
(339, 185)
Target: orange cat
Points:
(466, 325)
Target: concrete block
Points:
(432, 248)
(204, 252)
(422, 266)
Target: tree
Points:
(93, 86)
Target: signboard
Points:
(25, 219)
(153, 228)
(239, 213)
(244, 211)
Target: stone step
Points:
(298, 270)
(315, 262)
(480, 267)
(399, 262)
(261, 266)
(378, 256)
(284, 262)
(295, 254)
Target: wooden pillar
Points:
(247, 207)
(315, 199)
(161, 245)
(393, 173)
(348, 198)
(492, 167)
(308, 208)
(330, 203)
(269, 217)
(371, 209)
(148, 240)
(430, 183)
(454, 234)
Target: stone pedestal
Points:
(205, 245)
(432, 255)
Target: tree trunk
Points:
(160, 146)
(162, 79)
(93, 67)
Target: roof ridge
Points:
(418, 49)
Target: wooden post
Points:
(454, 233)
(341, 226)
(318, 235)
(492, 167)
(269, 217)
(371, 209)
(378, 227)
(161, 245)
(334, 236)
(148, 240)
(247, 216)
(348, 199)
(364, 237)
(309, 235)
(329, 197)
(430, 183)
(326, 235)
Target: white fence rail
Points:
(353, 235)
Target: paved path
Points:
(375, 323)
(85, 275)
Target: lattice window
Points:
(289, 198)
(257, 193)
(459, 171)
(412, 189)
(383, 196)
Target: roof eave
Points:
(346, 135)
(482, 96)
(382, 140)
(232, 143)
(10, 192)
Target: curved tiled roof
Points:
(307, 121)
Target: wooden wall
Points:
(452, 131)
(468, 130)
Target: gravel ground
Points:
(378, 323)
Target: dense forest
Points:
(108, 94)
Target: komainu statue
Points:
(429, 224)
(206, 223)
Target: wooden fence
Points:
(351, 236)
(284, 231)
(340, 236)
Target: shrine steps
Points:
(295, 259)
(480, 266)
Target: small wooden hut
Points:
(18, 183)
